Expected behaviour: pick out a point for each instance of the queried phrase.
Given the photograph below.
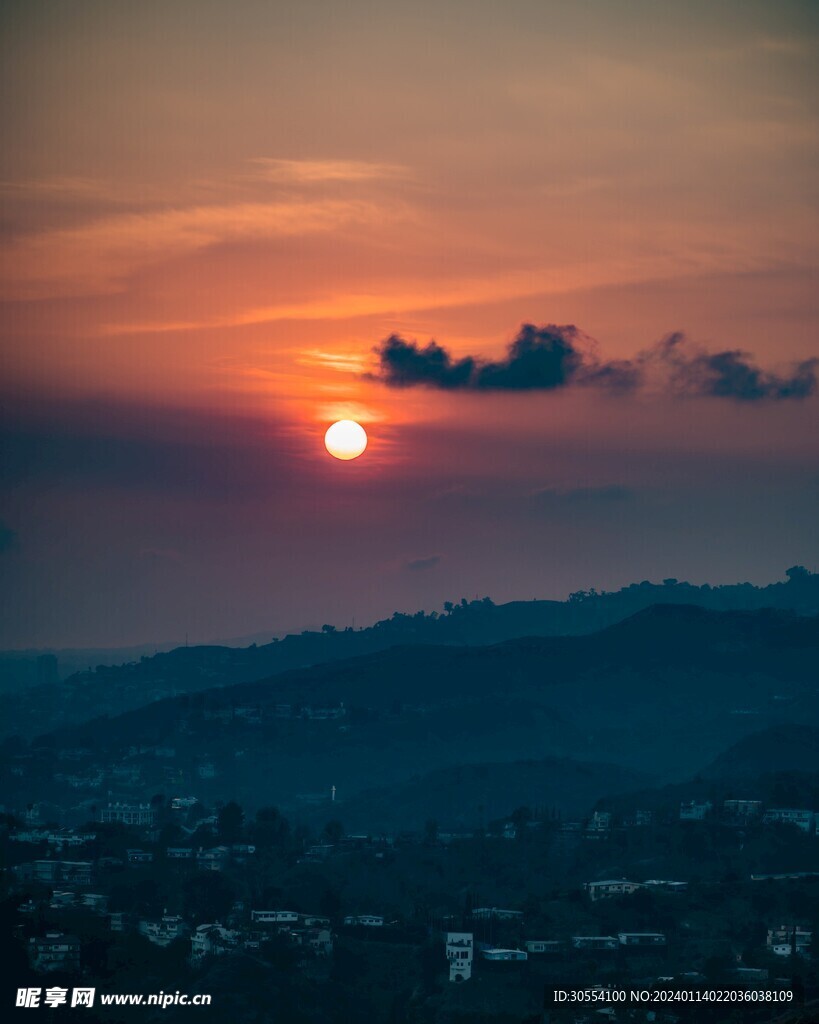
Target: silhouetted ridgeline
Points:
(112, 690)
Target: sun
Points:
(345, 440)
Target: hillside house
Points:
(610, 888)
(55, 952)
(459, 952)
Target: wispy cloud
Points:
(309, 172)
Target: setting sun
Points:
(345, 440)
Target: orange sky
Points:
(221, 208)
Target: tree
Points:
(229, 822)
(271, 827)
(327, 628)
(333, 832)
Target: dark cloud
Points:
(419, 564)
(551, 357)
(8, 538)
(539, 359)
(730, 374)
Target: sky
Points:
(559, 259)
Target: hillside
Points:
(784, 748)
(110, 690)
(662, 693)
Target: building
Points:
(642, 940)
(610, 888)
(595, 942)
(600, 821)
(274, 917)
(213, 940)
(799, 817)
(55, 952)
(665, 884)
(163, 932)
(543, 946)
(693, 811)
(139, 856)
(459, 952)
(496, 914)
(742, 810)
(129, 814)
(368, 920)
(787, 939)
(212, 860)
(74, 872)
(179, 853)
(493, 953)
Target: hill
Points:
(662, 693)
(110, 690)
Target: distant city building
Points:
(368, 920)
(459, 951)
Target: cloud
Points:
(420, 564)
(730, 374)
(551, 357)
(308, 172)
(539, 359)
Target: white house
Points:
(595, 942)
(641, 939)
(493, 953)
(163, 932)
(368, 920)
(459, 952)
(213, 939)
(693, 811)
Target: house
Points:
(786, 939)
(496, 914)
(129, 814)
(600, 821)
(595, 942)
(693, 811)
(95, 901)
(179, 853)
(493, 953)
(610, 888)
(55, 952)
(75, 872)
(320, 940)
(742, 810)
(139, 856)
(212, 940)
(274, 916)
(367, 920)
(665, 884)
(459, 953)
(206, 770)
(643, 940)
(802, 819)
(543, 946)
(163, 932)
(212, 860)
(183, 803)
